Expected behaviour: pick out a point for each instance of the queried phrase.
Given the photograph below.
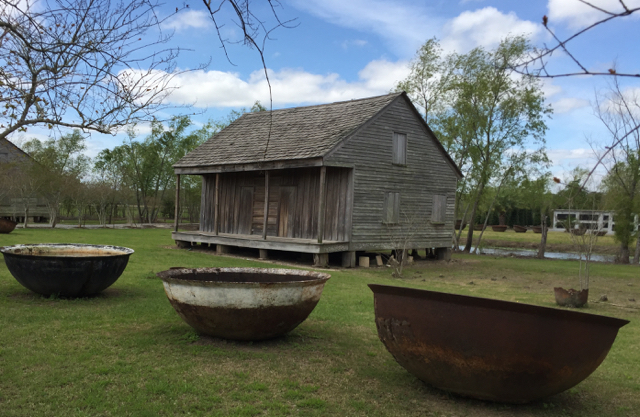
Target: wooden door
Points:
(245, 211)
(286, 209)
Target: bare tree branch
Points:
(82, 64)
(252, 29)
(537, 62)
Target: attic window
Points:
(391, 213)
(399, 148)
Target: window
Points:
(399, 149)
(439, 210)
(391, 212)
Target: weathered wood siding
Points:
(425, 174)
(293, 203)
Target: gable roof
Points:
(10, 153)
(297, 133)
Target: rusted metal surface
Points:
(66, 269)
(490, 349)
(571, 297)
(7, 226)
(243, 303)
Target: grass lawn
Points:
(127, 353)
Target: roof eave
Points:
(250, 166)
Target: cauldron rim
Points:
(10, 250)
(313, 277)
(495, 304)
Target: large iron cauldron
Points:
(66, 269)
(490, 349)
(7, 226)
(243, 303)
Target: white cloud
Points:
(188, 19)
(578, 15)
(566, 105)
(484, 27)
(549, 88)
(404, 25)
(566, 160)
(358, 43)
(289, 86)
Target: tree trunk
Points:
(623, 255)
(543, 239)
(26, 215)
(467, 247)
(469, 243)
(636, 255)
(53, 216)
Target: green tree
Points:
(489, 117)
(619, 111)
(622, 195)
(61, 163)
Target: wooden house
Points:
(13, 162)
(351, 176)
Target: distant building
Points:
(12, 160)
(589, 219)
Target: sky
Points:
(337, 50)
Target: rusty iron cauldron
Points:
(7, 226)
(66, 269)
(243, 303)
(490, 349)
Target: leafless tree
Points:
(537, 62)
(619, 112)
(83, 64)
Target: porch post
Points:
(265, 220)
(216, 206)
(322, 203)
(176, 221)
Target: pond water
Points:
(533, 253)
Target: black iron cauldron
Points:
(66, 269)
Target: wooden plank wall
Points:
(293, 203)
(426, 174)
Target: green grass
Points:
(127, 353)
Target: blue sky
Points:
(347, 49)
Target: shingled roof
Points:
(296, 133)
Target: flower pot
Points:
(571, 297)
(499, 228)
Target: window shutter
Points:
(399, 149)
(439, 210)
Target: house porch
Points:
(225, 240)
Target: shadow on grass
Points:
(105, 295)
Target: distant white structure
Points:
(591, 219)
